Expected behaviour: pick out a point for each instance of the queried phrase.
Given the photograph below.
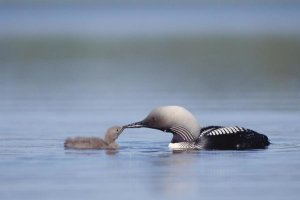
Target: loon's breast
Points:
(184, 146)
(218, 137)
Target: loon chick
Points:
(188, 134)
(96, 143)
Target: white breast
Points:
(183, 146)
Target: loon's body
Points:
(218, 137)
(188, 134)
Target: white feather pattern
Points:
(184, 145)
(223, 131)
(183, 132)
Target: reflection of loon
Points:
(187, 133)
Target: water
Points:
(34, 163)
(54, 85)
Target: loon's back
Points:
(218, 137)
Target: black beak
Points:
(122, 129)
(135, 125)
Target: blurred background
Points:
(70, 68)
(212, 52)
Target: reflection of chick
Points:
(96, 143)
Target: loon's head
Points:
(173, 119)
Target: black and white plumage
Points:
(187, 133)
(218, 137)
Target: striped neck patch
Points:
(184, 133)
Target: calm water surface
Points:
(34, 163)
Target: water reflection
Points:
(83, 152)
(173, 174)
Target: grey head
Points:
(113, 133)
(173, 119)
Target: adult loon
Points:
(188, 134)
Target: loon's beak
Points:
(135, 125)
(122, 129)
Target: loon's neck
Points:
(182, 134)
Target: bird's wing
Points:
(218, 137)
